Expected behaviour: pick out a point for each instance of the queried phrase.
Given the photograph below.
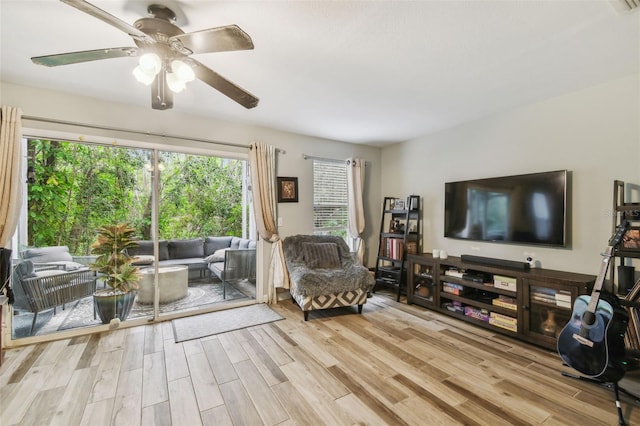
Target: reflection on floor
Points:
(203, 292)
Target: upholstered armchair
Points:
(324, 273)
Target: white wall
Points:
(594, 133)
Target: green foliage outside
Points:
(79, 188)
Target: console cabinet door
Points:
(548, 307)
(421, 285)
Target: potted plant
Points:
(117, 271)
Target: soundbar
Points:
(512, 264)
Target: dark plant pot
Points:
(112, 304)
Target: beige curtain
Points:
(262, 165)
(355, 188)
(10, 172)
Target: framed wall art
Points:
(287, 189)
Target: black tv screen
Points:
(522, 209)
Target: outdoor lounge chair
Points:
(38, 290)
(239, 264)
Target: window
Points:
(330, 199)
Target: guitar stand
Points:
(617, 390)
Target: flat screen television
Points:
(522, 209)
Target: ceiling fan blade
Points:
(96, 12)
(223, 85)
(84, 56)
(220, 39)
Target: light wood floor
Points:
(395, 364)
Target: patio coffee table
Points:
(173, 283)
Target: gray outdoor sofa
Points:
(204, 256)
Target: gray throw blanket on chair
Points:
(321, 265)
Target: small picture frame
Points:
(399, 205)
(287, 189)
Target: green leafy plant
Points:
(113, 261)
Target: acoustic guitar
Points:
(592, 342)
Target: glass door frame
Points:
(155, 146)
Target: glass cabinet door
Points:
(550, 308)
(422, 283)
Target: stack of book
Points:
(505, 302)
(392, 248)
(473, 312)
(560, 298)
(503, 321)
(563, 298)
(632, 337)
(454, 273)
(452, 288)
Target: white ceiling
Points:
(362, 72)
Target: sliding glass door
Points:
(187, 211)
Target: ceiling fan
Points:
(164, 51)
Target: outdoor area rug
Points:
(204, 325)
(82, 313)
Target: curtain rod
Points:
(330, 160)
(135, 132)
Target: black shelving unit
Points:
(628, 292)
(400, 231)
(629, 211)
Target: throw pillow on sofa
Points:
(186, 249)
(48, 254)
(217, 256)
(145, 248)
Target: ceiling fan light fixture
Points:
(175, 83)
(142, 76)
(183, 71)
(150, 63)
(149, 66)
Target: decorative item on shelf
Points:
(399, 205)
(392, 203)
(413, 203)
(423, 290)
(548, 326)
(631, 239)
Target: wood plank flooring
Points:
(393, 365)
